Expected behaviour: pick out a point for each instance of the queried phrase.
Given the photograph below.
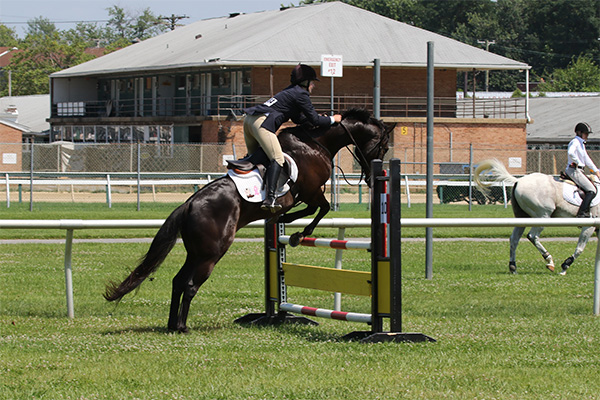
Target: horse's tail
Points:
(495, 171)
(160, 247)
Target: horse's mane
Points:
(362, 115)
(359, 114)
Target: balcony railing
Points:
(232, 107)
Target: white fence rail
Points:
(341, 223)
(411, 183)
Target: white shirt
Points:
(578, 155)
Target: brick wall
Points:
(453, 138)
(8, 150)
(411, 82)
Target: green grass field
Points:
(499, 336)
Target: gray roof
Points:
(554, 118)
(15, 125)
(33, 110)
(286, 37)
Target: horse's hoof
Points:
(566, 264)
(550, 267)
(295, 239)
(512, 268)
(178, 330)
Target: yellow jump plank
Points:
(328, 279)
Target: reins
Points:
(357, 154)
(364, 163)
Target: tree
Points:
(44, 51)
(560, 30)
(545, 34)
(118, 22)
(8, 37)
(90, 33)
(122, 27)
(581, 75)
(147, 25)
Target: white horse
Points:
(537, 196)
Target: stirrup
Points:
(270, 204)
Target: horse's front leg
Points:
(534, 237)
(584, 236)
(297, 237)
(286, 218)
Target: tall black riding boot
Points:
(584, 208)
(271, 179)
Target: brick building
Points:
(191, 84)
(11, 137)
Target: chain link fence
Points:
(106, 173)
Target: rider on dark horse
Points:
(262, 122)
(578, 160)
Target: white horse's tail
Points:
(493, 170)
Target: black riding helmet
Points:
(301, 73)
(583, 127)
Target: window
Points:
(125, 134)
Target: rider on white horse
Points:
(577, 161)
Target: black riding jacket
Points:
(292, 103)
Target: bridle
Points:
(358, 154)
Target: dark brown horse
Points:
(209, 219)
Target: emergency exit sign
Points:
(331, 65)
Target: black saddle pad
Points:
(259, 160)
(251, 161)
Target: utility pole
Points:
(487, 72)
(172, 20)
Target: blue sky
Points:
(16, 13)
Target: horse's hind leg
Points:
(584, 236)
(514, 242)
(185, 286)
(534, 237)
(200, 276)
(178, 288)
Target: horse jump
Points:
(208, 221)
(382, 284)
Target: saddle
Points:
(248, 174)
(567, 178)
(260, 161)
(573, 194)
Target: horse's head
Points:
(369, 135)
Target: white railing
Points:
(340, 223)
(107, 181)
